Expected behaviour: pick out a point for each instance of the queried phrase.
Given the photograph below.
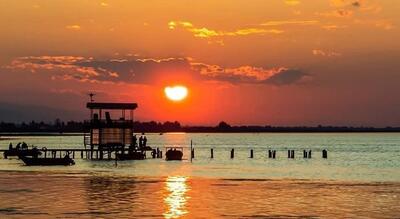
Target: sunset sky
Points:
(277, 62)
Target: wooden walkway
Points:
(95, 154)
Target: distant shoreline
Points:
(6, 134)
(78, 128)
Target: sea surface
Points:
(360, 179)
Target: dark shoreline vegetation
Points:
(74, 128)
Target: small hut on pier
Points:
(110, 134)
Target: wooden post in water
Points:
(292, 154)
(232, 153)
(324, 154)
(251, 153)
(309, 154)
(273, 154)
(192, 154)
(288, 154)
(212, 153)
(191, 150)
(101, 154)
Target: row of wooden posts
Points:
(271, 154)
(99, 154)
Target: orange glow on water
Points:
(176, 200)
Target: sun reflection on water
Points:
(176, 199)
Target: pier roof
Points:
(93, 105)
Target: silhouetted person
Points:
(35, 152)
(10, 146)
(18, 146)
(141, 141)
(24, 146)
(134, 141)
(144, 141)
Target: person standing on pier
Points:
(18, 146)
(141, 142)
(24, 146)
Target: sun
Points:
(176, 93)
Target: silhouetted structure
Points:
(106, 133)
(174, 153)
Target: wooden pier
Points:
(95, 154)
(110, 154)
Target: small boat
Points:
(36, 161)
(174, 153)
(132, 155)
(22, 152)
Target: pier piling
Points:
(232, 153)
(212, 153)
(251, 153)
(291, 154)
(192, 153)
(324, 154)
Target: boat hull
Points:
(173, 155)
(17, 153)
(30, 161)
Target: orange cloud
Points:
(208, 33)
(290, 22)
(292, 2)
(319, 52)
(73, 27)
(333, 27)
(340, 13)
(251, 74)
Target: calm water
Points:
(361, 178)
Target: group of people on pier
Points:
(20, 146)
(142, 142)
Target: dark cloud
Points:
(356, 4)
(146, 71)
(286, 77)
(140, 71)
